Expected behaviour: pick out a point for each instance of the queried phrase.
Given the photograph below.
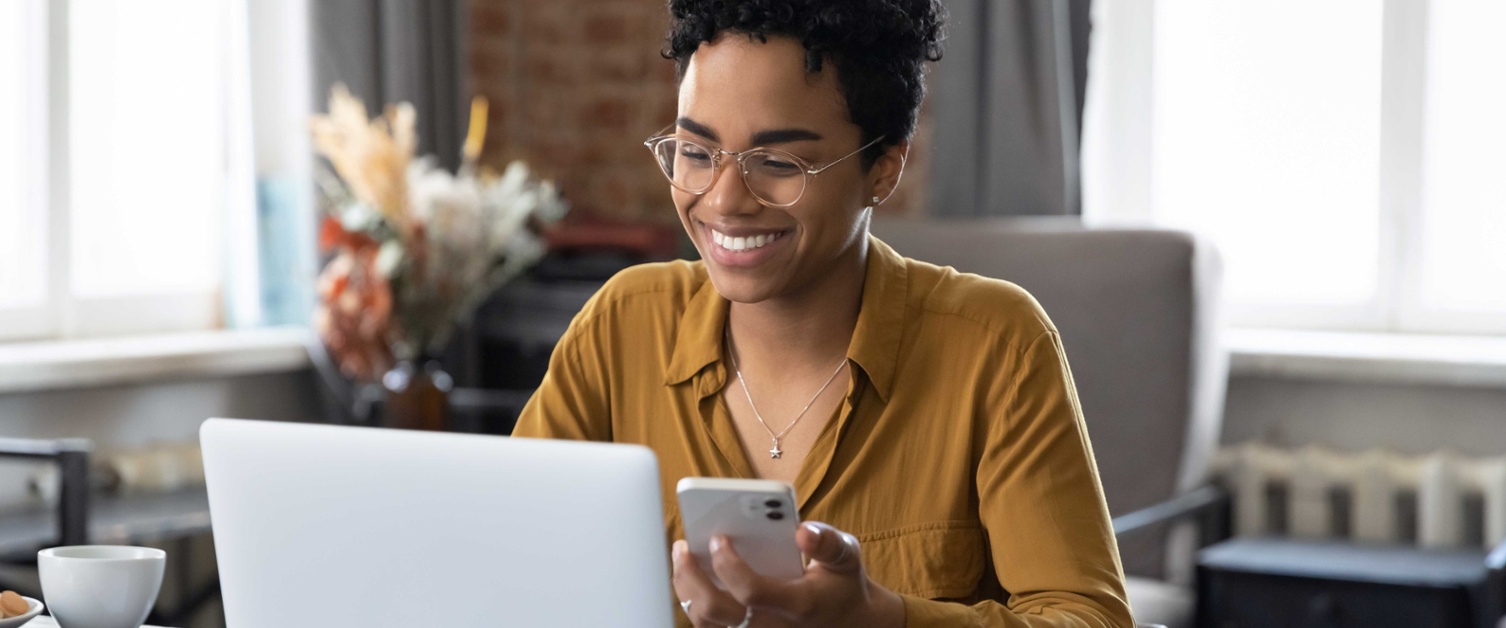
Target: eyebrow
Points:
(761, 138)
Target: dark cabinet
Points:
(1283, 583)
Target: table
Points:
(131, 519)
(47, 622)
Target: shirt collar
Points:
(875, 341)
(881, 318)
(699, 341)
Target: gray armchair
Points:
(1137, 311)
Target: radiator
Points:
(1440, 500)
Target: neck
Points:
(809, 329)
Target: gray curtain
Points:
(389, 51)
(1008, 108)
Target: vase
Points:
(417, 397)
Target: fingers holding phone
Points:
(700, 599)
(743, 550)
(759, 517)
(829, 548)
(736, 531)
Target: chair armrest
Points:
(1208, 503)
(72, 458)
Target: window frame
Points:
(1119, 189)
(37, 319)
(62, 315)
(1409, 312)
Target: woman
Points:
(927, 417)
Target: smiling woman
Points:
(750, 93)
(927, 417)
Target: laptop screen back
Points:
(325, 526)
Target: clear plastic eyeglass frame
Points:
(718, 157)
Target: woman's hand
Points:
(834, 592)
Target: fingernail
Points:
(674, 552)
(717, 543)
(812, 528)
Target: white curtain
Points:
(1116, 138)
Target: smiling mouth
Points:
(745, 243)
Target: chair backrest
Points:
(1136, 312)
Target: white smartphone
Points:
(758, 515)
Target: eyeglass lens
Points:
(770, 175)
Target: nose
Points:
(729, 194)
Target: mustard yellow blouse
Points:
(959, 457)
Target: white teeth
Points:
(742, 243)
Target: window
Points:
(1461, 239)
(22, 286)
(1347, 157)
(125, 165)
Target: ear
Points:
(886, 172)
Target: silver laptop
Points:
(328, 527)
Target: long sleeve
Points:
(1041, 505)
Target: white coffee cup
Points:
(101, 586)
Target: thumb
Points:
(835, 550)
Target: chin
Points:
(741, 289)
(747, 284)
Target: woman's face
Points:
(738, 94)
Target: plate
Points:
(16, 622)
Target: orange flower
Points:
(354, 313)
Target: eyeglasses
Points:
(774, 177)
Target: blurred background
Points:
(1339, 164)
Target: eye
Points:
(778, 167)
(695, 154)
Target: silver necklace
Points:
(775, 452)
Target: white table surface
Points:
(45, 621)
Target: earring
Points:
(875, 200)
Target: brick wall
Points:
(576, 85)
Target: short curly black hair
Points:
(878, 48)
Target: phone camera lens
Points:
(773, 503)
(775, 515)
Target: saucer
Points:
(17, 621)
